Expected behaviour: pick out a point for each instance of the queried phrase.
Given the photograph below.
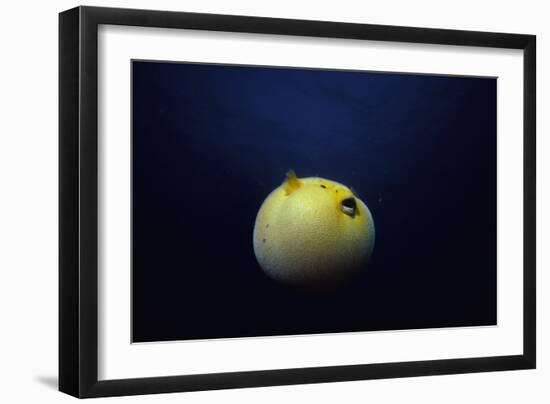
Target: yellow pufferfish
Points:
(313, 233)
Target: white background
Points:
(28, 200)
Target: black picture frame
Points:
(78, 201)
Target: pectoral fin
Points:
(292, 182)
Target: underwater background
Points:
(210, 142)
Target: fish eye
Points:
(349, 206)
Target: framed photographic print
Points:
(250, 201)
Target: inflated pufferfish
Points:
(313, 233)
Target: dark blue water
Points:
(211, 141)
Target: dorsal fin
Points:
(292, 182)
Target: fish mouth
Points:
(349, 206)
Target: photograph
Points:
(277, 201)
(252, 201)
(268, 202)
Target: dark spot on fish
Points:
(263, 240)
(349, 203)
(323, 186)
(349, 206)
